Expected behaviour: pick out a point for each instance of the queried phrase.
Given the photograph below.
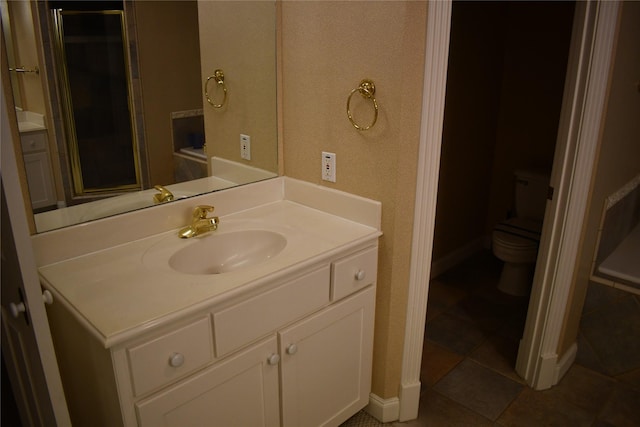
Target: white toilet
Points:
(515, 240)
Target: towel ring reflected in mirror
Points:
(218, 77)
(367, 90)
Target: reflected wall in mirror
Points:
(185, 146)
(250, 78)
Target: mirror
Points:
(182, 142)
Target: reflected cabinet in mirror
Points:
(123, 105)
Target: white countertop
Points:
(29, 121)
(128, 288)
(24, 127)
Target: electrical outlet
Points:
(245, 146)
(328, 166)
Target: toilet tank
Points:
(531, 194)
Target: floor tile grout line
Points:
(522, 390)
(603, 407)
(601, 363)
(444, 396)
(522, 382)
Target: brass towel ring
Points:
(367, 89)
(218, 76)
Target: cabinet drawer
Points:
(171, 356)
(36, 141)
(242, 323)
(353, 273)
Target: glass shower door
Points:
(96, 91)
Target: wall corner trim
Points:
(595, 32)
(566, 361)
(384, 410)
(433, 97)
(546, 375)
(552, 368)
(409, 401)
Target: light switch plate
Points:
(245, 146)
(328, 166)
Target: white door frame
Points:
(33, 292)
(591, 54)
(582, 111)
(424, 217)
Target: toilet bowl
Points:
(515, 242)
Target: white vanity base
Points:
(286, 343)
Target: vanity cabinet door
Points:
(38, 169)
(326, 363)
(240, 391)
(39, 179)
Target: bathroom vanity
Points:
(148, 333)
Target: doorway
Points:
(539, 361)
(593, 41)
(504, 94)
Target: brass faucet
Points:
(200, 223)
(164, 195)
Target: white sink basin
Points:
(222, 253)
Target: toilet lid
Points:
(516, 232)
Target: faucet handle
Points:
(200, 212)
(164, 195)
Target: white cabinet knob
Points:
(16, 309)
(176, 360)
(360, 275)
(292, 349)
(47, 297)
(273, 359)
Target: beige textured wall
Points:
(328, 47)
(618, 158)
(240, 38)
(5, 80)
(26, 54)
(169, 57)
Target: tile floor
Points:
(471, 343)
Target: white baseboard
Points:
(384, 410)
(552, 369)
(565, 362)
(455, 257)
(409, 401)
